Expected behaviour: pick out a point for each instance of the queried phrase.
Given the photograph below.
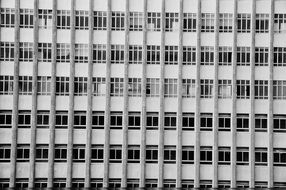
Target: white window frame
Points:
(153, 87)
(208, 22)
(62, 86)
(99, 53)
(80, 86)
(98, 86)
(171, 22)
(279, 56)
(261, 89)
(81, 20)
(63, 19)
(262, 23)
(45, 18)
(26, 18)
(117, 54)
(136, 21)
(100, 20)
(243, 56)
(171, 55)
(261, 56)
(280, 23)
(188, 121)
(206, 122)
(207, 86)
(63, 53)
(189, 22)
(225, 22)
(25, 85)
(154, 21)
(189, 55)
(44, 85)
(243, 23)
(170, 87)
(45, 52)
(207, 55)
(225, 56)
(224, 89)
(7, 51)
(81, 53)
(242, 121)
(7, 14)
(135, 54)
(153, 54)
(26, 51)
(242, 89)
(118, 21)
(6, 85)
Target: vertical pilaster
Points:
(89, 97)
(15, 96)
(34, 97)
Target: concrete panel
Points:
(61, 136)
(24, 136)
(98, 136)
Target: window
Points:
(151, 154)
(42, 153)
(206, 88)
(152, 87)
(135, 54)
(136, 21)
(169, 184)
(206, 155)
(261, 89)
(61, 119)
(261, 122)
(62, 86)
(225, 56)
(279, 185)
(187, 155)
(25, 85)
(78, 153)
(45, 52)
(280, 56)
(80, 119)
(261, 156)
(132, 184)
(187, 184)
(224, 122)
(117, 20)
(100, 20)
(116, 120)
(243, 89)
(41, 183)
(189, 88)
(5, 153)
(242, 156)
(279, 23)
(6, 85)
(23, 153)
(26, 18)
(21, 183)
(154, 21)
(98, 120)
(279, 89)
(205, 184)
(169, 154)
(81, 20)
(44, 85)
(114, 184)
(63, 53)
(45, 18)
(242, 184)
(223, 184)
(261, 56)
(81, 53)
(7, 17)
(262, 23)
(99, 86)
(63, 19)
(5, 119)
(189, 22)
(60, 153)
(224, 89)
(189, 55)
(153, 54)
(117, 54)
(206, 122)
(96, 183)
(207, 55)
(133, 154)
(26, 51)
(261, 185)
(188, 121)
(224, 155)
(97, 153)
(152, 120)
(77, 183)
(172, 22)
(242, 122)
(279, 123)
(134, 87)
(115, 153)
(170, 88)
(208, 22)
(225, 22)
(7, 51)
(59, 183)
(99, 53)
(243, 56)
(171, 55)
(116, 86)
(151, 184)
(134, 120)
(170, 121)
(279, 157)
(24, 119)
(80, 86)
(243, 23)
(43, 119)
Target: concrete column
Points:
(179, 99)
(198, 98)
(52, 116)
(34, 97)
(89, 98)
(233, 100)
(107, 100)
(71, 98)
(125, 97)
(15, 97)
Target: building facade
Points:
(143, 93)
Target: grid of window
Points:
(261, 89)
(62, 86)
(262, 23)
(25, 85)
(243, 23)
(7, 51)
(279, 56)
(45, 52)
(116, 86)
(133, 154)
(153, 54)
(115, 153)
(81, 53)
(6, 85)
(170, 88)
(261, 122)
(116, 120)
(63, 53)
(26, 51)
(98, 120)
(170, 121)
(134, 87)
(98, 86)
(243, 56)
(224, 155)
(242, 121)
(117, 21)
(188, 121)
(135, 54)
(7, 17)
(187, 155)
(171, 55)
(261, 56)
(43, 119)
(243, 89)
(63, 19)
(100, 20)
(26, 18)
(206, 121)
(169, 154)
(280, 23)
(224, 89)
(189, 88)
(208, 22)
(6, 119)
(80, 86)
(206, 88)
(97, 153)
(207, 55)
(136, 21)
(151, 154)
(189, 22)
(117, 54)
(152, 87)
(152, 120)
(99, 53)
(279, 157)
(225, 56)
(189, 55)
(224, 122)
(44, 85)
(81, 20)
(279, 123)
(45, 18)
(242, 156)
(261, 156)
(225, 22)
(172, 22)
(134, 120)
(5, 153)
(80, 119)
(206, 155)
(61, 119)
(279, 89)
(154, 21)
